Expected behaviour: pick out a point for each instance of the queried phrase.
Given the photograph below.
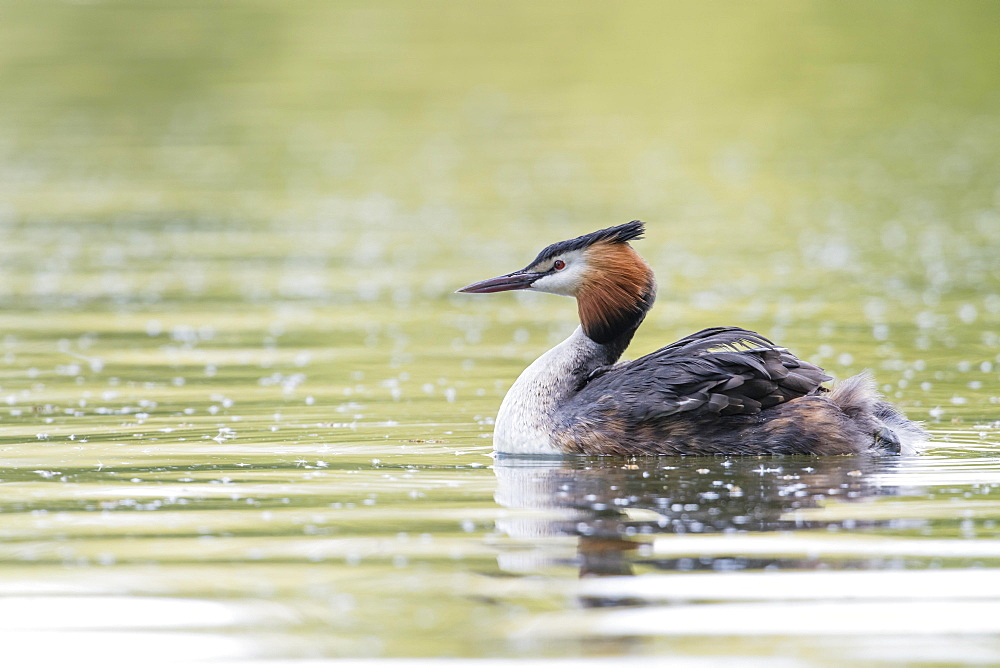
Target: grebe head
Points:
(613, 286)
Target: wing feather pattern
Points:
(717, 371)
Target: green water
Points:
(244, 416)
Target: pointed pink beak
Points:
(519, 280)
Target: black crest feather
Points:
(619, 234)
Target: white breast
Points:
(525, 423)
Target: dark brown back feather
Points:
(718, 371)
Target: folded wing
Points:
(718, 371)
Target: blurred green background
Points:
(715, 110)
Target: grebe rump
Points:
(723, 390)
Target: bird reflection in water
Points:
(614, 507)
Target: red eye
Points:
(558, 265)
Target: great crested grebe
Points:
(723, 390)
